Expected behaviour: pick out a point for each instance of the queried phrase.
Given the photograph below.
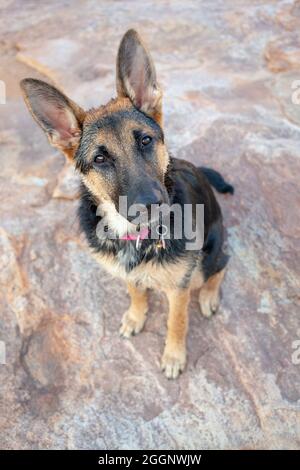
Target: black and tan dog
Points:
(119, 149)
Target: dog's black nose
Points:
(147, 199)
(143, 202)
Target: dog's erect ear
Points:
(57, 115)
(136, 77)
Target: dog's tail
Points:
(217, 180)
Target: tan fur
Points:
(152, 275)
(174, 356)
(163, 157)
(209, 296)
(133, 320)
(113, 106)
(100, 187)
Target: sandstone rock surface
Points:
(69, 381)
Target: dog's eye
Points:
(146, 140)
(99, 159)
(102, 155)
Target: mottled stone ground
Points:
(70, 382)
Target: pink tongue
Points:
(133, 236)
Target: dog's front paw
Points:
(209, 302)
(173, 362)
(131, 325)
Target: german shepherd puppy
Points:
(119, 150)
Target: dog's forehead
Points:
(118, 115)
(114, 106)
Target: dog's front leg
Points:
(174, 356)
(133, 320)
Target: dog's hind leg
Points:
(133, 320)
(174, 356)
(209, 296)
